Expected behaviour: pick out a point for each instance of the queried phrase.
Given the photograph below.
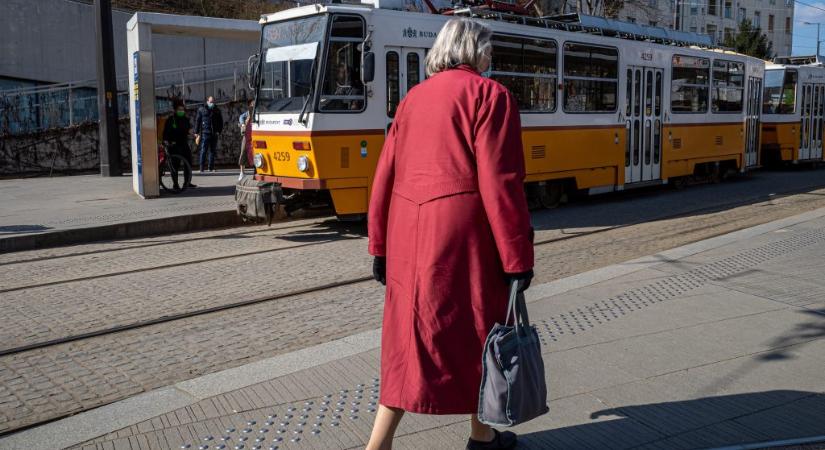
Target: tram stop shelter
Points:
(139, 31)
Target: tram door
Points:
(752, 121)
(643, 112)
(405, 69)
(810, 127)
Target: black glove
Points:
(523, 277)
(379, 269)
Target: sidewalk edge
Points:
(123, 230)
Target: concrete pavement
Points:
(716, 343)
(47, 211)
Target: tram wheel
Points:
(550, 195)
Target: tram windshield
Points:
(288, 57)
(291, 63)
(780, 92)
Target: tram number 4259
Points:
(281, 156)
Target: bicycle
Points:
(169, 165)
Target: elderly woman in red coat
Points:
(449, 227)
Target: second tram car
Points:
(598, 113)
(793, 110)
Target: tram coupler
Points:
(258, 200)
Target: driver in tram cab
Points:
(344, 85)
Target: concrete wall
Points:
(53, 41)
(75, 149)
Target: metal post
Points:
(817, 41)
(108, 131)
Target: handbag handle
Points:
(517, 307)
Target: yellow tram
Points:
(793, 110)
(604, 105)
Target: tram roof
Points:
(580, 23)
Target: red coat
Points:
(448, 211)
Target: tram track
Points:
(168, 266)
(356, 280)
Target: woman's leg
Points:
(479, 431)
(383, 430)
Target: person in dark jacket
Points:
(176, 134)
(208, 125)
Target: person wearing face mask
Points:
(208, 125)
(176, 134)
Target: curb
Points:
(125, 230)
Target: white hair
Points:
(460, 41)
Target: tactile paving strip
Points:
(584, 318)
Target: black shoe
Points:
(190, 185)
(504, 440)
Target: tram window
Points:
(658, 101)
(527, 67)
(342, 89)
(286, 83)
(728, 86)
(629, 94)
(413, 70)
(779, 95)
(689, 87)
(590, 78)
(393, 90)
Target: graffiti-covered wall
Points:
(75, 149)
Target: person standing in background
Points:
(208, 125)
(245, 123)
(176, 134)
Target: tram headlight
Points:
(303, 163)
(259, 160)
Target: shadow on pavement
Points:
(801, 334)
(659, 202)
(328, 230)
(699, 423)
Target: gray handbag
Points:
(513, 389)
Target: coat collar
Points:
(466, 68)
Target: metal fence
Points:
(41, 108)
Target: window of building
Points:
(728, 86)
(728, 10)
(712, 7)
(528, 68)
(728, 33)
(590, 78)
(689, 88)
(743, 14)
(342, 89)
(711, 31)
(780, 92)
(757, 19)
(770, 23)
(787, 25)
(653, 23)
(694, 10)
(692, 29)
(631, 19)
(653, 3)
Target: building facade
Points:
(720, 18)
